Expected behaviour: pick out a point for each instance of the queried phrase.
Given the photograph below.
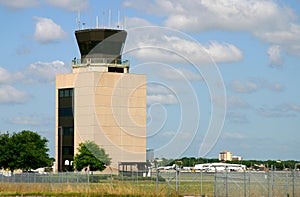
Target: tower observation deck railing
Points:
(100, 62)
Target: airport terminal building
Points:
(100, 101)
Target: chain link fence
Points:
(170, 182)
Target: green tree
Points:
(7, 157)
(24, 150)
(92, 156)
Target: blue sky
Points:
(221, 75)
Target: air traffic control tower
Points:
(100, 101)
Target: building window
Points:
(68, 150)
(65, 93)
(115, 69)
(68, 131)
(61, 93)
(63, 112)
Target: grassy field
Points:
(248, 184)
(143, 188)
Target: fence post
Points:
(177, 175)
(249, 185)
(268, 182)
(201, 182)
(294, 172)
(273, 180)
(226, 182)
(157, 174)
(245, 192)
(287, 184)
(215, 183)
(132, 178)
(111, 178)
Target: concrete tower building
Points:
(100, 101)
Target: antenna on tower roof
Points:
(97, 22)
(124, 23)
(118, 24)
(78, 20)
(109, 18)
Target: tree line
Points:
(191, 161)
(27, 150)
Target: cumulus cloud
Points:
(71, 5)
(253, 85)
(154, 44)
(274, 54)
(234, 135)
(11, 95)
(224, 52)
(158, 89)
(232, 15)
(282, 110)
(179, 74)
(133, 22)
(164, 99)
(47, 31)
(45, 72)
(42, 72)
(243, 87)
(23, 51)
(26, 120)
(287, 38)
(265, 19)
(159, 94)
(264, 84)
(237, 117)
(17, 4)
(5, 76)
(235, 102)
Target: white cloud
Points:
(274, 54)
(155, 43)
(243, 87)
(253, 85)
(158, 89)
(45, 72)
(287, 38)
(224, 52)
(164, 99)
(160, 94)
(10, 95)
(236, 117)
(23, 51)
(71, 5)
(46, 30)
(26, 120)
(42, 72)
(180, 74)
(234, 135)
(235, 102)
(5, 76)
(232, 15)
(132, 22)
(19, 4)
(282, 110)
(264, 84)
(265, 19)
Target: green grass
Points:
(189, 184)
(143, 188)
